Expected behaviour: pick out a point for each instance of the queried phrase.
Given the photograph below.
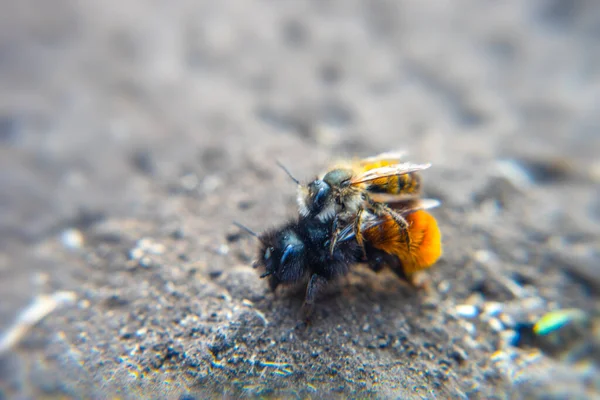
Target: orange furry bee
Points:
(344, 188)
(376, 200)
(413, 248)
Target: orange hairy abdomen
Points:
(424, 246)
(426, 241)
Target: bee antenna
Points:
(288, 172)
(250, 231)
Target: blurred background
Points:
(164, 119)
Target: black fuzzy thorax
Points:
(317, 237)
(300, 249)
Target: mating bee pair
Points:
(367, 211)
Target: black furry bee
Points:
(300, 250)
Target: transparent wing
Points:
(392, 170)
(404, 201)
(389, 156)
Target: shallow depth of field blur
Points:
(133, 133)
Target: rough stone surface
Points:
(162, 122)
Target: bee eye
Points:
(320, 197)
(268, 253)
(289, 251)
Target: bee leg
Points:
(273, 283)
(358, 232)
(421, 280)
(416, 280)
(399, 271)
(376, 263)
(334, 237)
(316, 284)
(378, 259)
(336, 230)
(399, 219)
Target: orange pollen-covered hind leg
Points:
(425, 241)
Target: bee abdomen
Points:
(409, 184)
(397, 184)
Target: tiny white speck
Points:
(513, 172)
(466, 310)
(189, 181)
(72, 239)
(493, 308)
(483, 256)
(496, 325)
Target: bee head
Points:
(338, 177)
(281, 254)
(318, 193)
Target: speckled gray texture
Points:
(163, 121)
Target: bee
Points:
(299, 251)
(413, 248)
(349, 186)
(375, 200)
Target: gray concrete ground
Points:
(133, 133)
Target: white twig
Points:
(34, 313)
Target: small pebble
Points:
(466, 310)
(458, 354)
(533, 303)
(507, 320)
(469, 327)
(211, 183)
(136, 253)
(222, 250)
(500, 356)
(145, 262)
(151, 246)
(84, 304)
(476, 299)
(509, 338)
(178, 234)
(429, 303)
(189, 182)
(145, 247)
(444, 286)
(496, 325)
(72, 239)
(484, 256)
(493, 308)
(515, 173)
(214, 274)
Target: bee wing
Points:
(346, 234)
(404, 201)
(390, 198)
(392, 170)
(428, 204)
(368, 222)
(406, 206)
(388, 156)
